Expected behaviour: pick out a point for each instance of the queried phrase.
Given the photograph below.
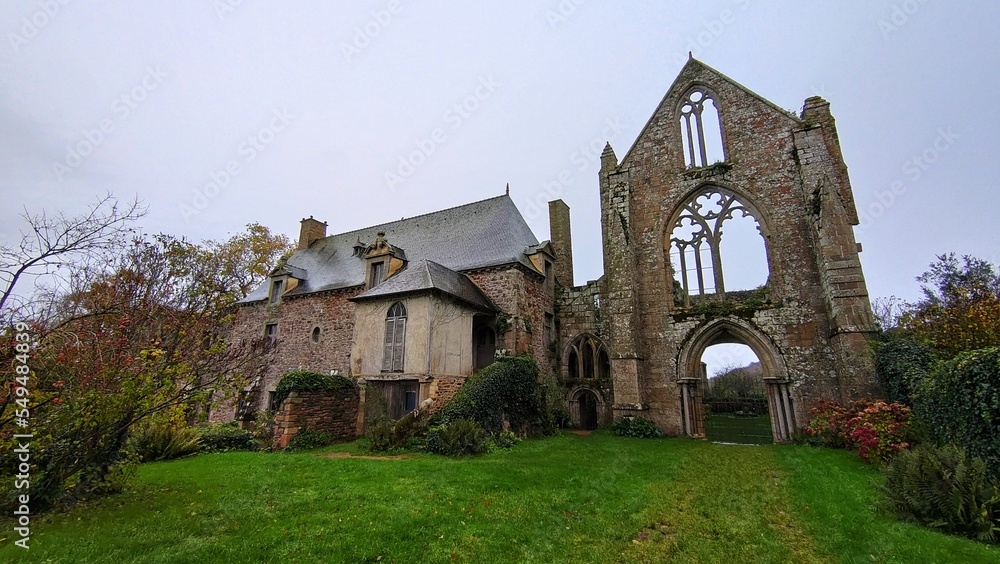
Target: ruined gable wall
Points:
(760, 149)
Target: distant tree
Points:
(960, 308)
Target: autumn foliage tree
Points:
(141, 333)
(960, 310)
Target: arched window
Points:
(703, 263)
(587, 358)
(701, 129)
(395, 335)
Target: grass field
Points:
(569, 498)
(726, 428)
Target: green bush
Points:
(960, 403)
(505, 439)
(308, 381)
(507, 389)
(943, 488)
(163, 442)
(223, 437)
(901, 363)
(407, 432)
(458, 438)
(636, 427)
(308, 439)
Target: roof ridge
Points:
(358, 230)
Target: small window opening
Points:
(271, 332)
(316, 334)
(587, 358)
(377, 273)
(276, 287)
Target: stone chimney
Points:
(562, 242)
(311, 231)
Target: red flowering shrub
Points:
(878, 431)
(875, 429)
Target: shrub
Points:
(308, 439)
(308, 381)
(877, 430)
(636, 427)
(828, 424)
(403, 433)
(901, 363)
(457, 438)
(223, 437)
(163, 442)
(505, 390)
(960, 403)
(381, 436)
(944, 488)
(505, 439)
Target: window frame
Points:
(394, 339)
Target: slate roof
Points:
(429, 275)
(487, 233)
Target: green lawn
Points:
(595, 498)
(726, 428)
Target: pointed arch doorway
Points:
(584, 408)
(692, 380)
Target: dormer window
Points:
(382, 260)
(377, 273)
(277, 286)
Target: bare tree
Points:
(55, 241)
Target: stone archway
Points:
(690, 376)
(585, 408)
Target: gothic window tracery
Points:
(701, 129)
(587, 358)
(696, 244)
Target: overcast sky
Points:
(218, 114)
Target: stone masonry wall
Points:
(333, 412)
(296, 318)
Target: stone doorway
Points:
(584, 410)
(772, 389)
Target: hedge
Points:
(507, 389)
(960, 402)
